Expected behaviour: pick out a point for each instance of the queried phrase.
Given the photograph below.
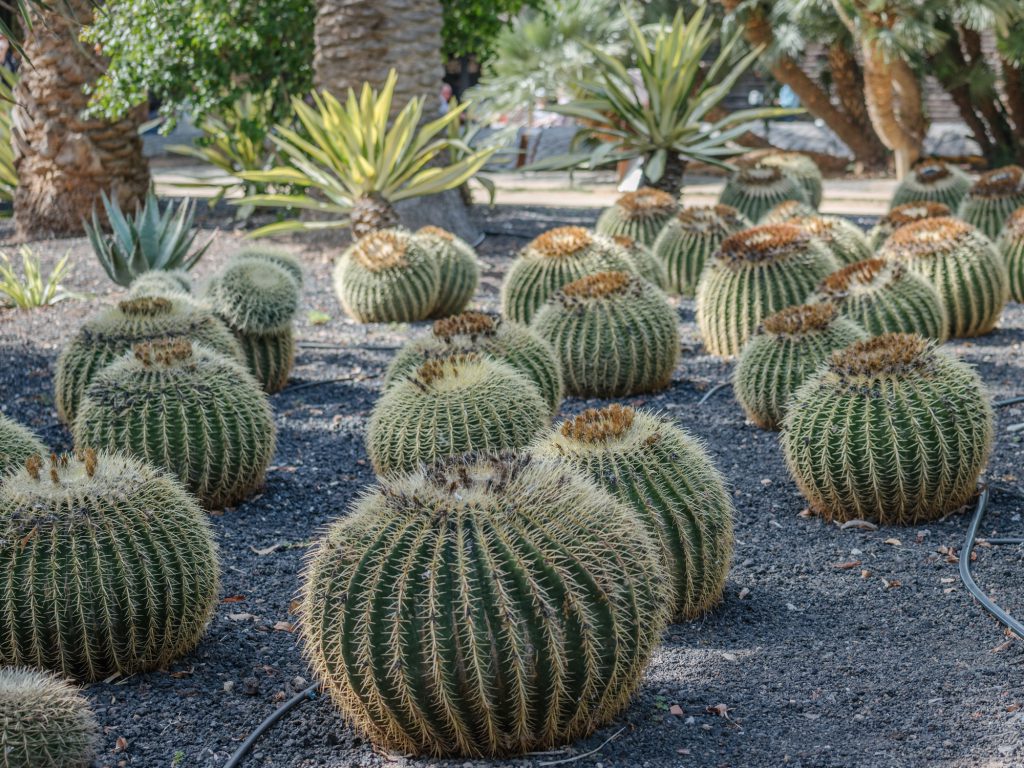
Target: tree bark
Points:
(894, 103)
(1015, 102)
(848, 79)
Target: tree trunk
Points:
(1015, 102)
(63, 160)
(894, 103)
(848, 80)
(671, 180)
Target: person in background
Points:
(446, 96)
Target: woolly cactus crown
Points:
(890, 356)
(559, 243)
(930, 237)
(466, 324)
(786, 211)
(599, 425)
(256, 296)
(597, 286)
(994, 196)
(1007, 181)
(647, 202)
(382, 250)
(800, 320)
(908, 213)
(720, 220)
(843, 238)
(765, 244)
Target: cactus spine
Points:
(44, 722)
(1011, 246)
(639, 215)
(796, 165)
(900, 216)
(16, 445)
(689, 238)
(755, 190)
(276, 256)
(159, 282)
(460, 274)
(933, 181)
(994, 196)
(844, 239)
(786, 211)
(644, 262)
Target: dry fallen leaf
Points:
(744, 592)
(893, 542)
(847, 565)
(241, 617)
(719, 709)
(121, 744)
(267, 550)
(233, 599)
(863, 525)
(284, 626)
(892, 583)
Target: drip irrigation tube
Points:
(236, 759)
(713, 391)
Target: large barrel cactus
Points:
(788, 348)
(16, 444)
(963, 266)
(188, 410)
(891, 430)
(490, 336)
(614, 333)
(161, 282)
(843, 238)
(639, 215)
(276, 256)
(900, 216)
(670, 482)
(795, 164)
(116, 568)
(452, 405)
(994, 196)
(689, 238)
(756, 189)
(111, 333)
(932, 181)
(644, 262)
(485, 606)
(1011, 246)
(786, 211)
(755, 273)
(460, 273)
(44, 722)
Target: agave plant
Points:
(359, 165)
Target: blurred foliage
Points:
(472, 26)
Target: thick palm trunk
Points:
(63, 160)
(893, 98)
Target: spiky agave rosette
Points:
(932, 181)
(1011, 247)
(892, 430)
(786, 211)
(489, 605)
(644, 262)
(17, 443)
(689, 238)
(459, 271)
(994, 196)
(900, 216)
(639, 215)
(843, 238)
(756, 189)
(795, 164)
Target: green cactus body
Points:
(485, 606)
(756, 273)
(185, 409)
(16, 445)
(158, 282)
(269, 356)
(963, 266)
(670, 482)
(994, 196)
(787, 350)
(489, 336)
(276, 256)
(388, 277)
(797, 165)
(44, 722)
(111, 333)
(900, 216)
(932, 181)
(614, 333)
(639, 215)
(843, 238)
(111, 567)
(644, 262)
(460, 273)
(552, 261)
(689, 238)
(891, 430)
(786, 211)
(755, 190)
(450, 406)
(1011, 246)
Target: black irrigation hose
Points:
(236, 759)
(713, 391)
(1011, 401)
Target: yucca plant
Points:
(30, 289)
(357, 165)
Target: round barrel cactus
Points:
(1011, 246)
(670, 482)
(645, 264)
(788, 347)
(118, 568)
(453, 405)
(276, 256)
(639, 215)
(105, 337)
(689, 238)
(843, 238)
(552, 261)
(963, 266)
(891, 430)
(186, 409)
(489, 605)
(460, 273)
(160, 282)
(16, 445)
(900, 216)
(885, 297)
(932, 181)
(487, 335)
(388, 276)
(994, 196)
(787, 210)
(756, 273)
(614, 333)
(755, 190)
(44, 722)
(795, 164)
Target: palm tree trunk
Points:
(848, 80)
(1015, 102)
(671, 180)
(893, 99)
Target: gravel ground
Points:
(832, 647)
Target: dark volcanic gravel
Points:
(832, 648)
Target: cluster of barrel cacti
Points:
(639, 215)
(688, 239)
(755, 189)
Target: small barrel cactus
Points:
(453, 405)
(487, 335)
(785, 211)
(891, 430)
(552, 261)
(614, 333)
(460, 273)
(932, 181)
(160, 282)
(644, 262)
(484, 606)
(111, 333)
(388, 276)
(1011, 246)
(16, 445)
(276, 256)
(185, 409)
(639, 215)
(689, 238)
(788, 348)
(843, 238)
(994, 196)
(963, 266)
(885, 297)
(755, 190)
(44, 722)
(795, 164)
(900, 216)
(756, 273)
(118, 568)
(670, 482)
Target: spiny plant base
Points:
(843, 238)
(644, 262)
(904, 214)
(932, 181)
(639, 215)
(1011, 246)
(755, 190)
(519, 599)
(460, 273)
(17, 443)
(891, 430)
(994, 196)
(689, 238)
(795, 164)
(786, 211)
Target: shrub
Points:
(687, 241)
(639, 215)
(932, 181)
(993, 198)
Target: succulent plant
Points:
(755, 190)
(901, 215)
(44, 722)
(486, 605)
(786, 211)
(795, 164)
(388, 276)
(158, 282)
(487, 335)
(891, 430)
(689, 238)
(460, 274)
(1011, 246)
(963, 266)
(843, 238)
(639, 215)
(186, 409)
(614, 333)
(756, 273)
(453, 405)
(276, 256)
(932, 181)
(109, 334)
(788, 347)
(994, 196)
(16, 444)
(117, 567)
(669, 481)
(554, 260)
(644, 262)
